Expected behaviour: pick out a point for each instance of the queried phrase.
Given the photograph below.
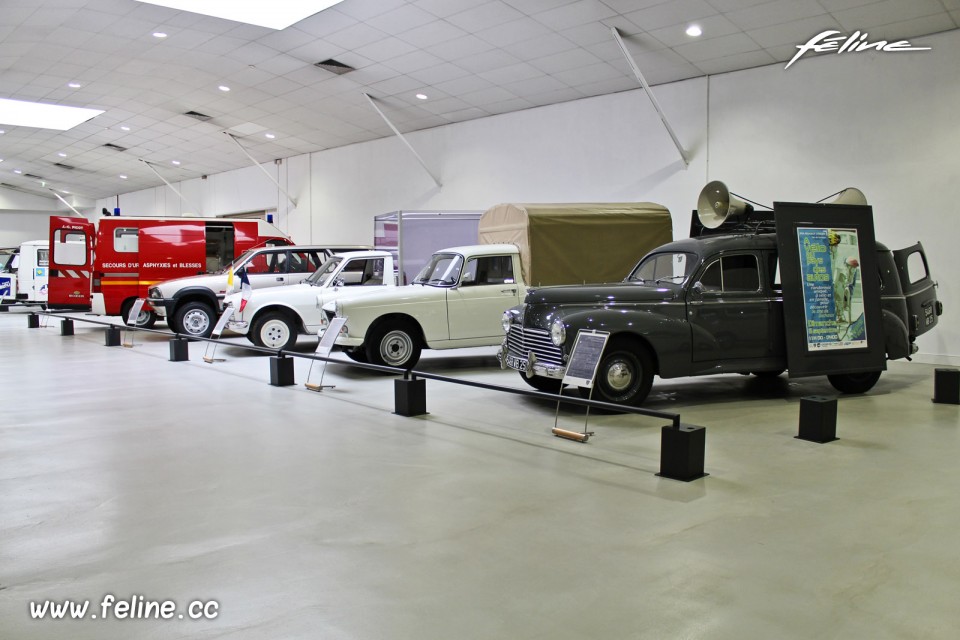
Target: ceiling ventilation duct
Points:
(115, 147)
(334, 66)
(198, 116)
(63, 166)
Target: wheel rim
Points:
(274, 333)
(143, 317)
(619, 375)
(196, 322)
(396, 347)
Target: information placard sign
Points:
(325, 346)
(222, 323)
(135, 312)
(585, 358)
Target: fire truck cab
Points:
(105, 267)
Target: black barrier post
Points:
(112, 336)
(410, 396)
(4, 308)
(946, 386)
(66, 327)
(179, 349)
(818, 419)
(33, 321)
(682, 452)
(281, 370)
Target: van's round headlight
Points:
(506, 320)
(558, 333)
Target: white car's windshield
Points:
(664, 268)
(322, 276)
(237, 264)
(443, 270)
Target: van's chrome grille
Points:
(522, 340)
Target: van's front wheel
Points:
(854, 382)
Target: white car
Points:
(275, 317)
(457, 300)
(191, 305)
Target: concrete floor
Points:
(323, 515)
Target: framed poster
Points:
(831, 293)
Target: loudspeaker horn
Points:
(850, 195)
(716, 205)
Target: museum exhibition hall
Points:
(431, 319)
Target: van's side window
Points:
(125, 240)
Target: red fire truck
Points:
(104, 267)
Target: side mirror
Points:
(697, 288)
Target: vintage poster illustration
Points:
(832, 288)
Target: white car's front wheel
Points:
(394, 344)
(275, 331)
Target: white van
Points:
(24, 273)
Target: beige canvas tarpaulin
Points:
(577, 243)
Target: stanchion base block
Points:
(179, 349)
(66, 327)
(281, 371)
(946, 386)
(818, 419)
(4, 308)
(682, 452)
(33, 321)
(410, 397)
(112, 337)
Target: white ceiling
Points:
(473, 58)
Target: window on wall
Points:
(125, 240)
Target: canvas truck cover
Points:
(577, 243)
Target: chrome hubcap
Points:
(195, 322)
(619, 376)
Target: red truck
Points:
(104, 267)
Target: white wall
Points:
(883, 122)
(24, 216)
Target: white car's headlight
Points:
(558, 333)
(506, 321)
(154, 292)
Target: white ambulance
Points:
(24, 272)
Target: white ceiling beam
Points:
(653, 98)
(260, 166)
(404, 140)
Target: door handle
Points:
(279, 279)
(508, 290)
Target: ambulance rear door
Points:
(71, 262)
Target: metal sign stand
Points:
(582, 371)
(323, 349)
(208, 352)
(132, 322)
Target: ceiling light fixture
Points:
(421, 96)
(62, 154)
(159, 34)
(123, 177)
(74, 85)
(694, 31)
(224, 88)
(176, 162)
(124, 128)
(269, 135)
(277, 14)
(17, 171)
(43, 116)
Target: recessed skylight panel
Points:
(277, 14)
(20, 113)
